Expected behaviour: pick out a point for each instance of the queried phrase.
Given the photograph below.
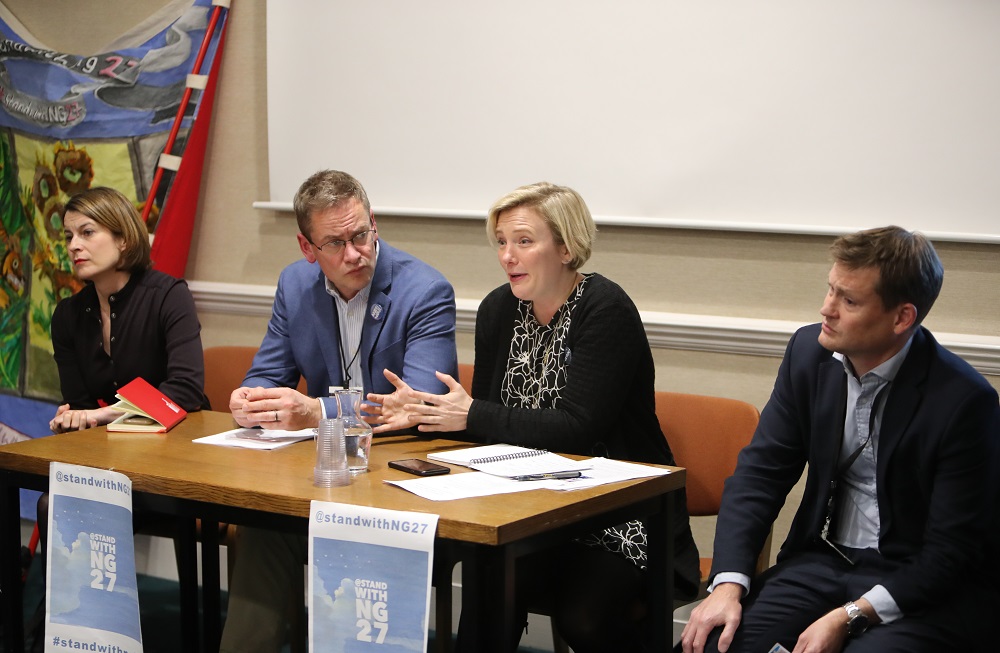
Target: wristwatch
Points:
(857, 621)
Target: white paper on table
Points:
(604, 470)
(470, 484)
(258, 438)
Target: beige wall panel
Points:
(219, 329)
(767, 276)
(748, 378)
(233, 241)
(970, 298)
(75, 27)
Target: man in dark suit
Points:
(354, 307)
(894, 545)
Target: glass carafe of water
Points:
(357, 432)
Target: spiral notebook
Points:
(510, 460)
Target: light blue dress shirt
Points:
(856, 523)
(351, 319)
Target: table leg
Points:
(488, 600)
(660, 567)
(210, 594)
(11, 595)
(187, 572)
(444, 564)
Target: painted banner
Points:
(21, 419)
(92, 599)
(369, 578)
(70, 122)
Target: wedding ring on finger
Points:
(275, 416)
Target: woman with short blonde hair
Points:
(562, 363)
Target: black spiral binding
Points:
(508, 456)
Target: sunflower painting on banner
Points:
(128, 117)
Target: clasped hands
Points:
(274, 408)
(406, 407)
(67, 419)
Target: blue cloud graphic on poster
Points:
(368, 597)
(92, 581)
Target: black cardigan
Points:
(607, 407)
(155, 334)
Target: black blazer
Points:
(936, 474)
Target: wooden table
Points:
(274, 488)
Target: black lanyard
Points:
(345, 365)
(846, 464)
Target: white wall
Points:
(775, 114)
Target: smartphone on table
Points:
(419, 467)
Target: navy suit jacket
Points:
(936, 469)
(409, 328)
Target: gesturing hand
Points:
(406, 407)
(390, 412)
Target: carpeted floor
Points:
(160, 615)
(159, 612)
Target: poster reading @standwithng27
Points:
(92, 599)
(369, 579)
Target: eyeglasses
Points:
(359, 239)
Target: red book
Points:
(146, 409)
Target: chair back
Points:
(465, 376)
(225, 368)
(705, 435)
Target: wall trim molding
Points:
(285, 208)
(680, 331)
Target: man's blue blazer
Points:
(409, 329)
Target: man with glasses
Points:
(352, 308)
(894, 545)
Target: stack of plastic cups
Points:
(331, 455)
